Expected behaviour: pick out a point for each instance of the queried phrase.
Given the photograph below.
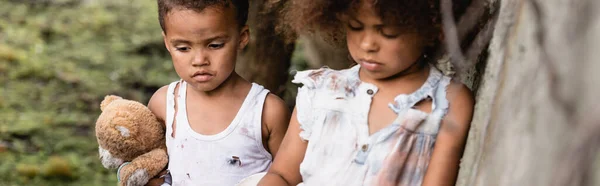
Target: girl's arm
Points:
(285, 170)
(450, 142)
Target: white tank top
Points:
(221, 159)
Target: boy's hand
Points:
(158, 179)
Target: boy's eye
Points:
(182, 49)
(216, 45)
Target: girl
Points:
(393, 119)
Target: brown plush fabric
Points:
(151, 164)
(129, 131)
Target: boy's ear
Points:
(244, 37)
(165, 41)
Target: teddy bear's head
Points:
(126, 129)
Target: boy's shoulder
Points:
(158, 102)
(274, 106)
(275, 116)
(324, 76)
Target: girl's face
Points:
(382, 50)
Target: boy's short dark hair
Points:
(165, 6)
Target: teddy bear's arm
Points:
(143, 168)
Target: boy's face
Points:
(382, 50)
(203, 45)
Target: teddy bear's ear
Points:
(107, 100)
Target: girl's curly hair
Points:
(323, 16)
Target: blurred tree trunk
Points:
(319, 53)
(537, 118)
(266, 59)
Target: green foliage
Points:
(58, 59)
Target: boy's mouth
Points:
(202, 76)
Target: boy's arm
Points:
(286, 167)
(275, 117)
(450, 142)
(157, 105)
(158, 102)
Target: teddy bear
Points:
(128, 133)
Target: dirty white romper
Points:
(332, 109)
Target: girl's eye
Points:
(353, 25)
(216, 46)
(390, 32)
(355, 28)
(182, 49)
(390, 35)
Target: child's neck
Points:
(232, 86)
(415, 75)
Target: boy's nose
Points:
(200, 60)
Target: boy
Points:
(234, 127)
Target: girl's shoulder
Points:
(327, 78)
